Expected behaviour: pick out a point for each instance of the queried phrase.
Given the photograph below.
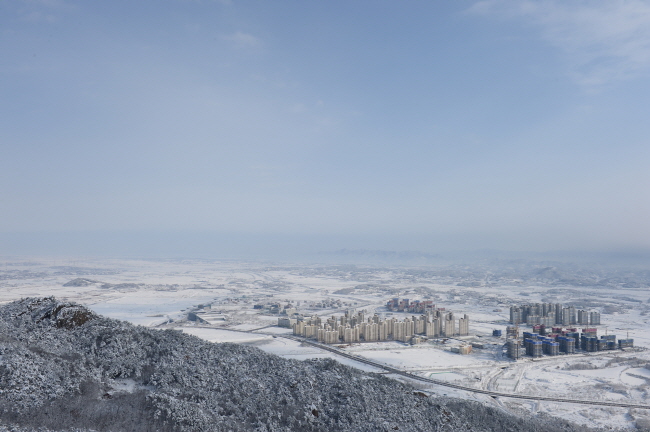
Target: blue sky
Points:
(381, 124)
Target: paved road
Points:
(457, 386)
(395, 371)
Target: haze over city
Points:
(217, 127)
(238, 215)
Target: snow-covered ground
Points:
(221, 296)
(218, 335)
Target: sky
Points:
(324, 124)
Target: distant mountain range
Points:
(383, 255)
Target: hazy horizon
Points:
(268, 129)
(289, 249)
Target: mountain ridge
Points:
(63, 367)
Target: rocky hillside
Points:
(64, 368)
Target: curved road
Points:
(457, 386)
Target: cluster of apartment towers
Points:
(550, 314)
(557, 340)
(354, 327)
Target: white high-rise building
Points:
(449, 329)
(463, 326)
(594, 318)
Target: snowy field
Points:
(216, 301)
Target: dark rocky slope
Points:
(64, 368)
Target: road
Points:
(492, 393)
(392, 370)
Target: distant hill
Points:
(62, 367)
(80, 282)
(383, 256)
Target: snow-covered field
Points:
(218, 335)
(221, 297)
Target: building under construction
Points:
(514, 349)
(563, 341)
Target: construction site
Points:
(546, 338)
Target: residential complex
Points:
(550, 314)
(355, 327)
